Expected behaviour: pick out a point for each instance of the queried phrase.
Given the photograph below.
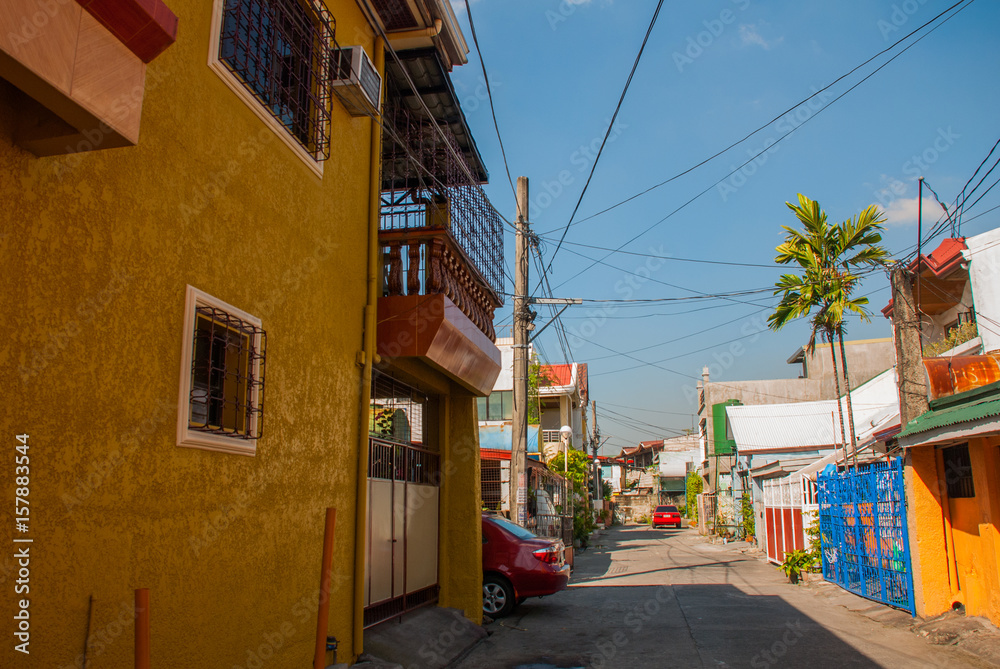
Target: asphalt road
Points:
(668, 598)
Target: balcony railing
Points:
(438, 230)
(429, 261)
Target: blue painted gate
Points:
(862, 516)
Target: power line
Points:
(621, 99)
(782, 137)
(489, 95)
(761, 128)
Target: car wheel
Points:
(498, 596)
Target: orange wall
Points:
(955, 542)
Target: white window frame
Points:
(235, 84)
(187, 437)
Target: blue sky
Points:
(711, 73)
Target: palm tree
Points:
(828, 256)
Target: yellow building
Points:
(953, 491)
(190, 205)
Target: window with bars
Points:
(958, 471)
(281, 50)
(222, 377)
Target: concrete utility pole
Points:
(909, 348)
(595, 442)
(519, 447)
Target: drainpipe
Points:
(368, 357)
(433, 31)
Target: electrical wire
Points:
(489, 95)
(766, 125)
(593, 167)
(769, 147)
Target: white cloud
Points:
(903, 211)
(750, 34)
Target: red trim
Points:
(493, 454)
(942, 260)
(146, 27)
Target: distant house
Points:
(563, 396)
(866, 359)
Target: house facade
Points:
(206, 346)
(866, 359)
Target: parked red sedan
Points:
(518, 565)
(666, 514)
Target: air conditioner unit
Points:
(356, 82)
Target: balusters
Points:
(395, 283)
(413, 273)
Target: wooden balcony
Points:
(428, 260)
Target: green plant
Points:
(694, 487)
(795, 563)
(643, 519)
(607, 489)
(958, 335)
(536, 377)
(815, 537)
(828, 256)
(746, 508)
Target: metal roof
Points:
(964, 407)
(762, 428)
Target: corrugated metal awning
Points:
(770, 428)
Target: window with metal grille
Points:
(227, 375)
(222, 381)
(397, 411)
(958, 471)
(280, 50)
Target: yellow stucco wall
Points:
(97, 249)
(460, 571)
(957, 547)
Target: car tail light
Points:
(549, 554)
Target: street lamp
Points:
(565, 434)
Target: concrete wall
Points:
(866, 359)
(102, 245)
(984, 276)
(460, 561)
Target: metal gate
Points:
(403, 505)
(864, 533)
(783, 529)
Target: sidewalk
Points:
(974, 635)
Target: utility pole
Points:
(519, 447)
(595, 441)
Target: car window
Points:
(513, 528)
(665, 509)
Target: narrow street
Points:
(668, 598)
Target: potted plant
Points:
(796, 562)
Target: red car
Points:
(518, 565)
(666, 514)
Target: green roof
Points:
(959, 408)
